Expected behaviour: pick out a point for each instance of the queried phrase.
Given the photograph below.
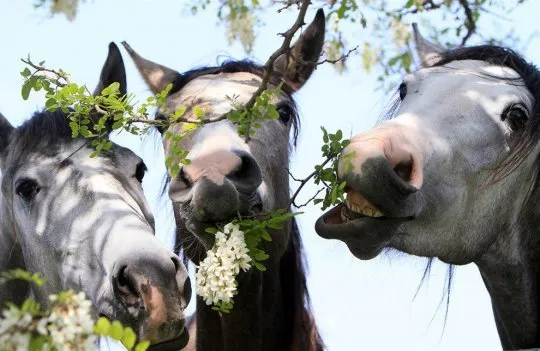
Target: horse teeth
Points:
(367, 211)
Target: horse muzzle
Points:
(154, 289)
(378, 206)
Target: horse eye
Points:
(285, 112)
(516, 117)
(140, 171)
(402, 91)
(27, 189)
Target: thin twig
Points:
(427, 5)
(58, 74)
(304, 181)
(342, 58)
(288, 4)
(293, 177)
(470, 24)
(308, 201)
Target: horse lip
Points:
(175, 344)
(353, 227)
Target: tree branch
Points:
(268, 67)
(341, 58)
(58, 74)
(304, 181)
(470, 24)
(287, 4)
(308, 201)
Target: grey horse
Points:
(83, 223)
(454, 175)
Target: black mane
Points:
(44, 131)
(499, 56)
(235, 66)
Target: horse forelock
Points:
(529, 76)
(238, 66)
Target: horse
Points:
(83, 224)
(229, 175)
(453, 174)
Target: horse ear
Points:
(156, 76)
(296, 67)
(428, 52)
(113, 71)
(5, 132)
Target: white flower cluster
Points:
(69, 326)
(216, 276)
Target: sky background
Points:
(359, 305)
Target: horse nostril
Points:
(247, 177)
(243, 169)
(185, 178)
(187, 290)
(176, 263)
(404, 170)
(123, 282)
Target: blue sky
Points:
(358, 304)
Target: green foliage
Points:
(116, 331)
(21, 274)
(40, 323)
(67, 7)
(249, 119)
(327, 175)
(257, 230)
(90, 116)
(381, 28)
(93, 116)
(241, 19)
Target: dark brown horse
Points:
(228, 175)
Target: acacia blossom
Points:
(216, 275)
(68, 326)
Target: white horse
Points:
(454, 175)
(83, 223)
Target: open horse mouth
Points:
(361, 225)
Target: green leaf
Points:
(102, 326)
(266, 236)
(117, 125)
(37, 343)
(261, 256)
(129, 338)
(112, 89)
(211, 230)
(25, 90)
(259, 266)
(116, 331)
(142, 346)
(26, 73)
(198, 112)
